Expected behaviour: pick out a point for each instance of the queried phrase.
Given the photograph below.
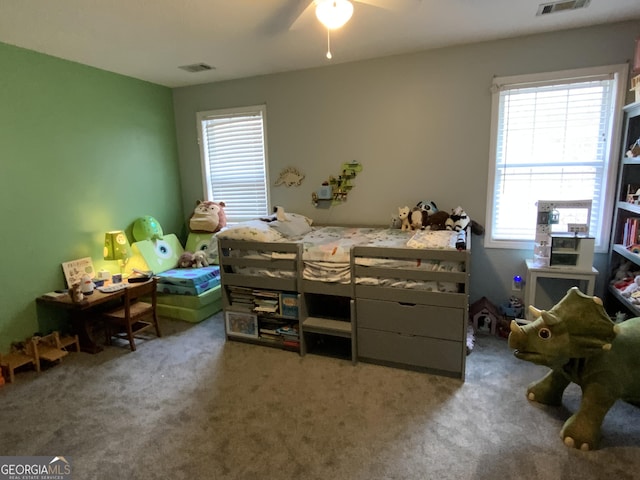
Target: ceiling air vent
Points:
(562, 5)
(197, 67)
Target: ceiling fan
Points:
(332, 14)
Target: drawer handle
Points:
(404, 304)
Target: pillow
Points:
(255, 230)
(294, 225)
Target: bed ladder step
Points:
(327, 326)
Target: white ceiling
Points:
(149, 39)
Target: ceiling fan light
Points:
(333, 13)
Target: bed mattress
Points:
(327, 252)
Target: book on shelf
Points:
(631, 232)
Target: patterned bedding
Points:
(327, 253)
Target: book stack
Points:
(290, 336)
(241, 298)
(266, 301)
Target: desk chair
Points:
(134, 315)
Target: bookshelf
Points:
(625, 234)
(257, 315)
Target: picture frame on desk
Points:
(239, 324)
(75, 269)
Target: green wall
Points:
(82, 151)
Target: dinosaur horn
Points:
(534, 311)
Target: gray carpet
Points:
(190, 405)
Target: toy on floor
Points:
(580, 343)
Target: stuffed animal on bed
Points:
(208, 216)
(580, 343)
(403, 215)
(458, 220)
(432, 218)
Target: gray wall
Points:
(419, 123)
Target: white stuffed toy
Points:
(631, 289)
(200, 259)
(403, 215)
(458, 220)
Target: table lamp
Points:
(116, 247)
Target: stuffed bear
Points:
(186, 260)
(208, 217)
(200, 259)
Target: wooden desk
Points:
(83, 314)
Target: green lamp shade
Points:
(116, 246)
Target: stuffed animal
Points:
(186, 260)
(631, 289)
(437, 220)
(427, 207)
(580, 343)
(75, 293)
(458, 220)
(403, 215)
(208, 217)
(622, 272)
(200, 259)
(415, 219)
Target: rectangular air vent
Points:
(197, 67)
(562, 5)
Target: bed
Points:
(401, 296)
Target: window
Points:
(234, 160)
(552, 138)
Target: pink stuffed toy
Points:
(208, 217)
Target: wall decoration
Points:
(336, 189)
(290, 176)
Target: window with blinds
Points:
(551, 140)
(234, 161)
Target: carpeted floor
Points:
(190, 405)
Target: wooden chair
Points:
(134, 315)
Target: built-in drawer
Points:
(411, 319)
(410, 350)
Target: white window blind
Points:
(234, 161)
(551, 141)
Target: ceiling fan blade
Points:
(287, 16)
(390, 4)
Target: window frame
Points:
(207, 189)
(620, 74)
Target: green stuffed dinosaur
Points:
(580, 343)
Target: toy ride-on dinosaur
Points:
(579, 342)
